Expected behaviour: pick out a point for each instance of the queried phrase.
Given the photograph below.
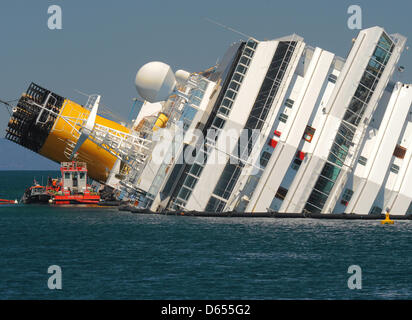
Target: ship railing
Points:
(91, 101)
(131, 149)
(46, 107)
(69, 165)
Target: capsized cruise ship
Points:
(276, 125)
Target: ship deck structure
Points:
(276, 126)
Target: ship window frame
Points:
(332, 78)
(264, 158)
(283, 117)
(238, 77)
(229, 103)
(241, 69)
(289, 103)
(296, 163)
(376, 210)
(347, 195)
(248, 52)
(244, 60)
(223, 110)
(251, 44)
(190, 182)
(281, 193)
(394, 168)
(388, 42)
(234, 85)
(218, 122)
(196, 171)
(231, 94)
(184, 192)
(362, 160)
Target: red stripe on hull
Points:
(76, 199)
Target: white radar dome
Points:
(182, 76)
(155, 81)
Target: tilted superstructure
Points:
(277, 125)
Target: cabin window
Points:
(227, 103)
(218, 123)
(281, 193)
(296, 164)
(190, 181)
(184, 193)
(67, 175)
(196, 169)
(399, 152)
(245, 61)
(224, 111)
(264, 158)
(362, 160)
(283, 117)
(376, 210)
(308, 134)
(289, 103)
(248, 52)
(238, 77)
(395, 168)
(347, 195)
(231, 94)
(234, 86)
(241, 69)
(252, 44)
(332, 78)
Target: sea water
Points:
(104, 253)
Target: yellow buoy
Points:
(387, 219)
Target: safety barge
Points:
(71, 188)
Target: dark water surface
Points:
(107, 254)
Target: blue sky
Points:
(102, 44)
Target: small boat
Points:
(71, 188)
(36, 194)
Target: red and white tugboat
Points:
(73, 187)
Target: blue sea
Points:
(109, 254)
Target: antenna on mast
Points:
(7, 106)
(228, 28)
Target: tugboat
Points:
(71, 188)
(36, 194)
(74, 187)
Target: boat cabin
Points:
(74, 176)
